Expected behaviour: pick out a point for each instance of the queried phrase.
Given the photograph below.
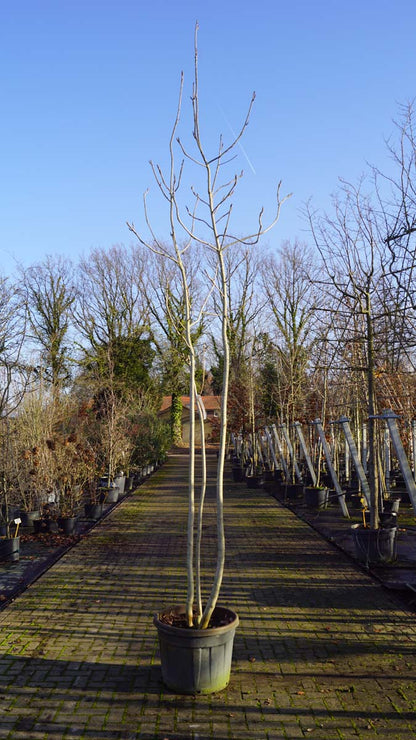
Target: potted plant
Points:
(316, 494)
(9, 522)
(73, 467)
(352, 244)
(196, 638)
(28, 465)
(94, 501)
(27, 479)
(109, 491)
(9, 540)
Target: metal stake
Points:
(271, 448)
(387, 458)
(340, 492)
(391, 418)
(280, 449)
(345, 424)
(293, 460)
(305, 451)
(364, 448)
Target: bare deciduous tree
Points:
(206, 223)
(293, 304)
(48, 292)
(358, 289)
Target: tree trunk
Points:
(176, 419)
(372, 451)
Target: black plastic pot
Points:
(375, 545)
(129, 483)
(43, 526)
(355, 499)
(67, 524)
(392, 505)
(293, 491)
(120, 482)
(255, 481)
(316, 498)
(28, 517)
(238, 473)
(10, 549)
(112, 495)
(195, 661)
(93, 511)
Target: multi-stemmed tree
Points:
(206, 224)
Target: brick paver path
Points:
(322, 650)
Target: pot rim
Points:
(194, 632)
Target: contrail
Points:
(239, 143)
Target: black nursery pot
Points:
(28, 517)
(293, 491)
(316, 498)
(67, 524)
(388, 519)
(238, 473)
(255, 481)
(375, 546)
(93, 511)
(44, 526)
(196, 661)
(10, 549)
(392, 505)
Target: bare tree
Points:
(246, 315)
(110, 301)
(48, 293)
(206, 223)
(163, 290)
(293, 303)
(358, 287)
(396, 193)
(14, 372)
(116, 355)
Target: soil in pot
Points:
(195, 661)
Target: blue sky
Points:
(89, 89)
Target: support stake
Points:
(391, 419)
(338, 489)
(344, 422)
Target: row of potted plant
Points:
(59, 511)
(372, 546)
